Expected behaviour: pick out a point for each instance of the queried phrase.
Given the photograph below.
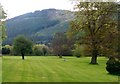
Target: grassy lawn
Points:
(53, 69)
(0, 69)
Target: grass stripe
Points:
(53, 69)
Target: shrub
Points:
(113, 66)
(6, 49)
(78, 51)
(39, 50)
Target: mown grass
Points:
(0, 69)
(54, 69)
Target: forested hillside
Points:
(40, 26)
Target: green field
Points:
(54, 69)
(0, 69)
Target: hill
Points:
(40, 26)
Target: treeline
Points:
(37, 50)
(61, 45)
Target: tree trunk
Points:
(94, 57)
(22, 56)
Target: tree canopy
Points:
(98, 21)
(22, 45)
(61, 45)
(2, 22)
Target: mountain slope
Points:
(40, 26)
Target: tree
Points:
(22, 45)
(97, 21)
(62, 45)
(2, 26)
(2, 22)
(113, 64)
(118, 31)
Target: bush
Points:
(113, 66)
(39, 50)
(6, 49)
(78, 51)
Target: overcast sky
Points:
(18, 7)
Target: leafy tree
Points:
(118, 31)
(22, 45)
(2, 22)
(113, 64)
(98, 21)
(2, 26)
